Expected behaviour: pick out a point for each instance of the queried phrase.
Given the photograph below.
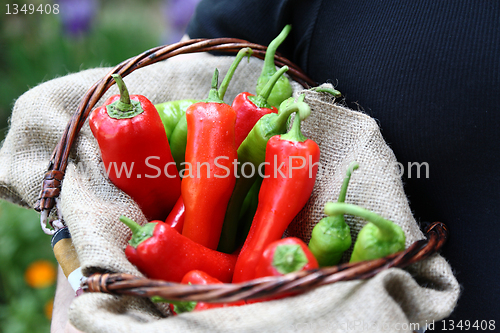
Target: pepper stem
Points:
(261, 99)
(229, 75)
(124, 104)
(269, 66)
(289, 258)
(294, 134)
(288, 107)
(333, 92)
(213, 95)
(134, 226)
(343, 189)
(139, 233)
(124, 107)
(283, 115)
(387, 228)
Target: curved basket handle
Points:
(51, 184)
(297, 282)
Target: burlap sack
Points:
(394, 301)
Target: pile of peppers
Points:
(229, 180)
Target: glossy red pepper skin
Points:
(280, 198)
(167, 255)
(200, 277)
(247, 115)
(141, 145)
(176, 217)
(210, 140)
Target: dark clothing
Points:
(429, 72)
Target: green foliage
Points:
(21, 243)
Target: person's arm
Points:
(62, 301)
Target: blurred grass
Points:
(22, 243)
(34, 49)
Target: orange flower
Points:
(40, 274)
(48, 307)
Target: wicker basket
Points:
(297, 282)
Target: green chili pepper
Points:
(178, 138)
(331, 237)
(171, 112)
(252, 195)
(178, 142)
(282, 89)
(248, 210)
(251, 157)
(378, 238)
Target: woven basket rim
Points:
(297, 282)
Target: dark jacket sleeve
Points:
(429, 72)
(251, 20)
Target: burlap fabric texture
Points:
(395, 300)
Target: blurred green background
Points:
(38, 47)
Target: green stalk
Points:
(282, 88)
(139, 233)
(260, 100)
(245, 52)
(387, 228)
(124, 103)
(124, 107)
(298, 106)
(253, 148)
(343, 189)
(213, 94)
(333, 92)
(269, 66)
(295, 134)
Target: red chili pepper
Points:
(292, 163)
(176, 217)
(284, 256)
(281, 257)
(210, 180)
(133, 144)
(198, 277)
(161, 252)
(250, 108)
